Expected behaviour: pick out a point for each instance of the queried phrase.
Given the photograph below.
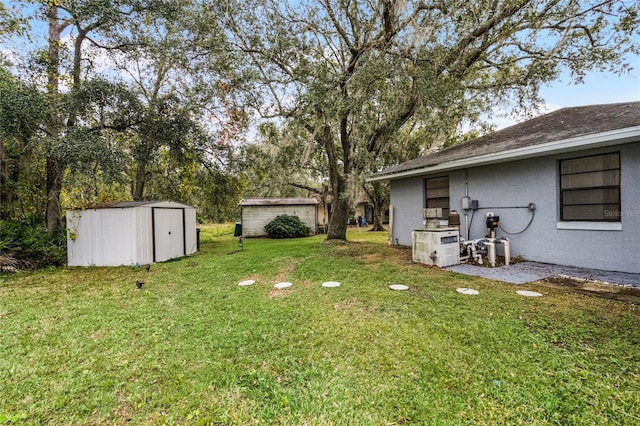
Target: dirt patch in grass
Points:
(306, 284)
(374, 253)
(354, 305)
(286, 270)
(123, 410)
(277, 292)
(594, 288)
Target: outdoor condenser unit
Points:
(439, 247)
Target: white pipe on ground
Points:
(507, 252)
(491, 252)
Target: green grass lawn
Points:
(84, 346)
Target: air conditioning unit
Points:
(436, 247)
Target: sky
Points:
(597, 88)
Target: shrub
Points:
(285, 226)
(8, 262)
(28, 243)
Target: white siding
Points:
(254, 218)
(124, 235)
(144, 236)
(102, 237)
(190, 229)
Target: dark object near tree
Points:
(285, 226)
(139, 284)
(237, 232)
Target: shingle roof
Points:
(559, 125)
(277, 201)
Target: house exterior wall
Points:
(407, 201)
(254, 218)
(516, 184)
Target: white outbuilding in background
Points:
(130, 232)
(257, 212)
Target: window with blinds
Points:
(590, 188)
(437, 194)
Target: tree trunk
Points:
(379, 195)
(4, 179)
(377, 217)
(141, 175)
(54, 167)
(340, 207)
(340, 204)
(54, 186)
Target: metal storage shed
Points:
(258, 212)
(130, 232)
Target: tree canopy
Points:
(351, 75)
(138, 99)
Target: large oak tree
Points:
(353, 74)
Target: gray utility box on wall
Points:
(439, 247)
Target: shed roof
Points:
(565, 129)
(130, 204)
(277, 201)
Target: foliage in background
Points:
(286, 226)
(153, 100)
(138, 105)
(28, 242)
(23, 111)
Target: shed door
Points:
(168, 233)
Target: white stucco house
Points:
(255, 213)
(130, 232)
(566, 186)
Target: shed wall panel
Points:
(254, 218)
(103, 237)
(191, 233)
(144, 236)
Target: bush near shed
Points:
(286, 226)
(26, 244)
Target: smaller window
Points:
(590, 188)
(437, 194)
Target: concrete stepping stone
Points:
(330, 284)
(282, 285)
(399, 287)
(469, 291)
(246, 283)
(528, 293)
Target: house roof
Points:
(564, 130)
(277, 201)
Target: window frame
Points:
(445, 211)
(613, 218)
